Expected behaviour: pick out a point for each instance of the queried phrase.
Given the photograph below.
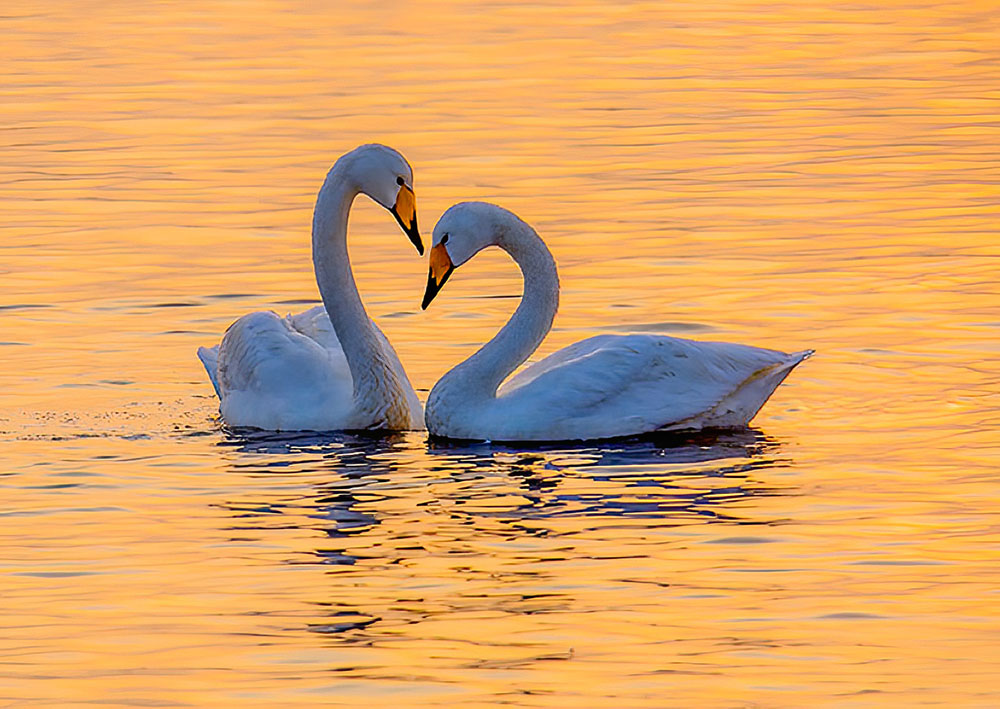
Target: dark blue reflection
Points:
(651, 477)
(648, 477)
(349, 459)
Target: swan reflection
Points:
(670, 478)
(408, 531)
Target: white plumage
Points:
(328, 368)
(622, 384)
(602, 387)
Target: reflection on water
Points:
(787, 175)
(530, 507)
(673, 480)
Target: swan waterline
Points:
(607, 386)
(330, 367)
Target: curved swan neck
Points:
(481, 374)
(358, 336)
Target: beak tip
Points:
(416, 240)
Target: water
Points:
(777, 174)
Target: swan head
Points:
(462, 232)
(384, 175)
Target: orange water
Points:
(788, 175)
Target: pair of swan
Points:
(331, 367)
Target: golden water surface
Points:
(784, 174)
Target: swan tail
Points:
(799, 357)
(739, 407)
(209, 357)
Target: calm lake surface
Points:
(777, 174)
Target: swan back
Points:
(276, 377)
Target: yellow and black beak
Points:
(441, 267)
(405, 211)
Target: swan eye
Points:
(400, 181)
(444, 239)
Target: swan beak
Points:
(441, 268)
(405, 211)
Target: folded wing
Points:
(614, 385)
(283, 373)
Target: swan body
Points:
(606, 386)
(330, 367)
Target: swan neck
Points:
(487, 369)
(357, 333)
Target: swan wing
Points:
(315, 324)
(273, 375)
(616, 385)
(291, 373)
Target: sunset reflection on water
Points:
(782, 175)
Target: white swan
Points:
(602, 387)
(327, 368)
